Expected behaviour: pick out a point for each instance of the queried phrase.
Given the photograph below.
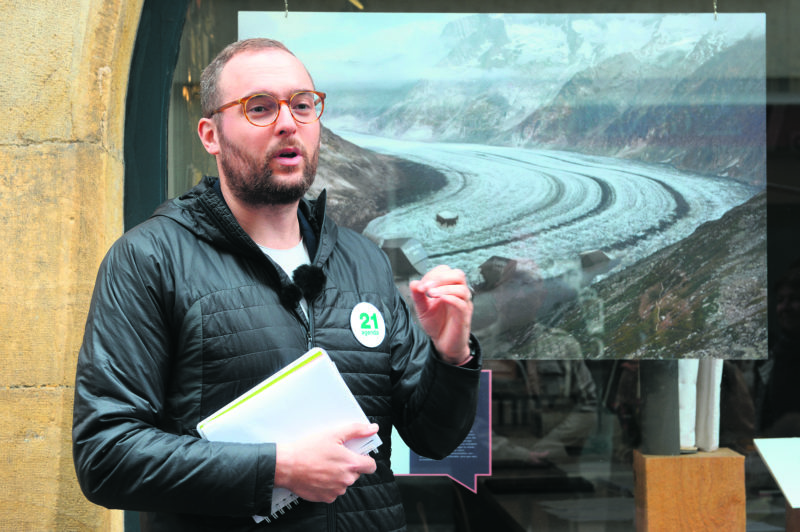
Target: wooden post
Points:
(692, 492)
(792, 518)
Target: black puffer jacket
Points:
(186, 316)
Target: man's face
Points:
(273, 165)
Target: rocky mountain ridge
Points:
(703, 296)
(362, 185)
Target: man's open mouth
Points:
(288, 154)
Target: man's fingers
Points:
(443, 280)
(367, 466)
(357, 430)
(320, 468)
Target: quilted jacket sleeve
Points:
(124, 457)
(439, 412)
(434, 402)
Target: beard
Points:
(252, 181)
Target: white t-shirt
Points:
(289, 260)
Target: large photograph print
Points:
(600, 178)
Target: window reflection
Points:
(762, 398)
(544, 410)
(559, 414)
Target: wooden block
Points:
(692, 492)
(792, 519)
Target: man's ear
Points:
(209, 136)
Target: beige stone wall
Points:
(65, 76)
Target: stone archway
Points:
(61, 179)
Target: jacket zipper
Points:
(308, 324)
(310, 329)
(331, 509)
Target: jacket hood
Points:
(203, 211)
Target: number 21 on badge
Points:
(367, 325)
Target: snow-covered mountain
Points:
(710, 119)
(683, 90)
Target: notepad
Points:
(306, 397)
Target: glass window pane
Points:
(566, 409)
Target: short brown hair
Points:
(209, 79)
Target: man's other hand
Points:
(320, 468)
(443, 301)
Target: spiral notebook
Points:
(305, 397)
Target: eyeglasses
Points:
(262, 110)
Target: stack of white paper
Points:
(306, 397)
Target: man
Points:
(232, 281)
